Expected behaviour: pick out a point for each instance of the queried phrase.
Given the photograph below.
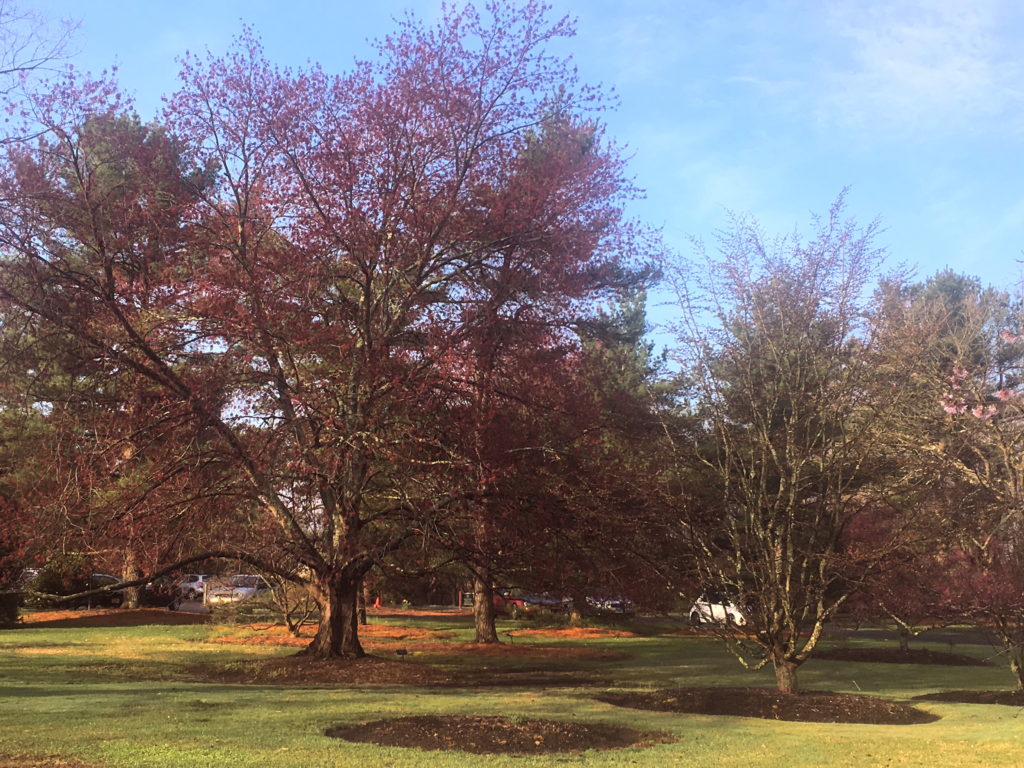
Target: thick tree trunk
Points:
(338, 633)
(362, 604)
(483, 608)
(785, 675)
(130, 572)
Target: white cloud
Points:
(925, 65)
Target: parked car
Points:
(191, 586)
(616, 606)
(516, 603)
(159, 593)
(111, 599)
(236, 588)
(716, 608)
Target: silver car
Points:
(191, 586)
(236, 588)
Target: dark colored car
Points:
(160, 593)
(111, 599)
(611, 606)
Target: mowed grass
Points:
(122, 697)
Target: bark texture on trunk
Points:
(1016, 655)
(785, 675)
(904, 640)
(338, 633)
(483, 608)
(129, 572)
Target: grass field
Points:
(122, 696)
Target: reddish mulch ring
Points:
(304, 671)
(896, 656)
(1007, 698)
(110, 617)
(278, 634)
(768, 703)
(495, 735)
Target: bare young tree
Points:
(791, 396)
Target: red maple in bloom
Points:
(294, 263)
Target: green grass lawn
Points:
(118, 697)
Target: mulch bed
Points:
(110, 617)
(768, 703)
(1007, 698)
(304, 671)
(278, 634)
(370, 671)
(386, 639)
(495, 735)
(896, 656)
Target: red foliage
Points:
(286, 288)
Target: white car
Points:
(236, 588)
(712, 608)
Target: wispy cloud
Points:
(925, 65)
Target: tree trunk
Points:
(483, 608)
(130, 572)
(362, 603)
(785, 675)
(1016, 654)
(904, 640)
(338, 633)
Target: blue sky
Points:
(768, 107)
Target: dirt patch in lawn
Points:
(767, 703)
(495, 735)
(379, 670)
(1008, 698)
(318, 673)
(35, 761)
(385, 639)
(110, 617)
(896, 656)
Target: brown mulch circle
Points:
(110, 617)
(896, 656)
(770, 704)
(304, 671)
(1007, 698)
(386, 639)
(381, 671)
(495, 735)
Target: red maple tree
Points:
(292, 262)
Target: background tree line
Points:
(392, 321)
